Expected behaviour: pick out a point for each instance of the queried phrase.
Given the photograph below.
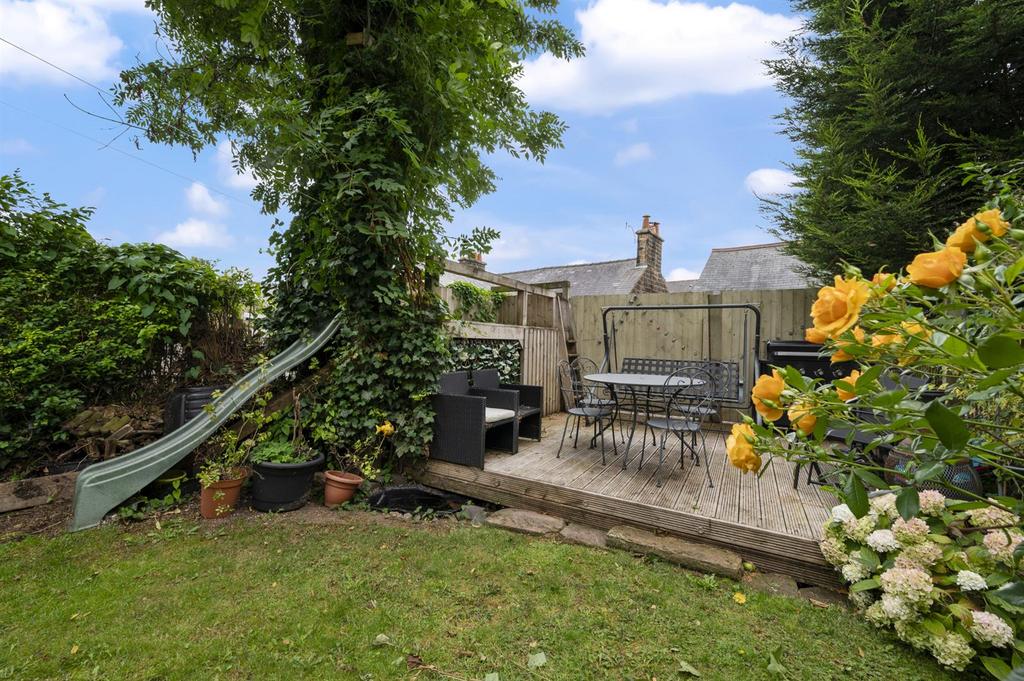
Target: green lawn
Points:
(273, 598)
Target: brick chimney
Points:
(475, 262)
(648, 244)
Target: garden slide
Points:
(104, 485)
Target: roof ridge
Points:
(579, 264)
(750, 246)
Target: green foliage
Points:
(481, 353)
(82, 322)
(476, 303)
(370, 146)
(889, 98)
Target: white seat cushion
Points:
(495, 415)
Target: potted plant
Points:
(340, 486)
(222, 475)
(283, 469)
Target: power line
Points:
(130, 155)
(105, 145)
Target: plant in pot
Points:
(223, 472)
(340, 485)
(283, 468)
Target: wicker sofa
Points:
(531, 400)
(469, 419)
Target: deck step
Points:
(699, 557)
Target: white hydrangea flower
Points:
(834, 551)
(970, 581)
(1002, 543)
(911, 531)
(858, 529)
(883, 541)
(896, 608)
(876, 615)
(885, 504)
(952, 650)
(914, 634)
(922, 555)
(912, 584)
(932, 502)
(990, 516)
(842, 513)
(854, 571)
(862, 599)
(990, 628)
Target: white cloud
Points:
(16, 145)
(73, 34)
(641, 51)
(641, 151)
(681, 273)
(770, 181)
(227, 172)
(201, 201)
(197, 233)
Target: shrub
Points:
(955, 323)
(940, 579)
(82, 322)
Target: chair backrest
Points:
(689, 391)
(575, 391)
(486, 378)
(454, 383)
(725, 375)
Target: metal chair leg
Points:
(707, 462)
(661, 460)
(561, 443)
(598, 422)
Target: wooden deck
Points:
(764, 519)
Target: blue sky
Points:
(669, 114)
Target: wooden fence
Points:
(691, 334)
(542, 350)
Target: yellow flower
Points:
(812, 335)
(768, 388)
(385, 429)
(912, 328)
(937, 269)
(841, 355)
(845, 395)
(740, 597)
(801, 418)
(967, 235)
(838, 307)
(739, 446)
(884, 281)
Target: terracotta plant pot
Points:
(221, 498)
(340, 487)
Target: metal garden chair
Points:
(582, 404)
(684, 408)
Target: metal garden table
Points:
(619, 383)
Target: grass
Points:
(366, 597)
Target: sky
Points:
(670, 114)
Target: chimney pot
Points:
(647, 222)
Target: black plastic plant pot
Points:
(283, 486)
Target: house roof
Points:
(761, 267)
(588, 279)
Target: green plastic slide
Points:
(104, 485)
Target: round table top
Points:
(641, 380)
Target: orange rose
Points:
(740, 448)
(881, 339)
(916, 329)
(768, 388)
(841, 355)
(979, 228)
(884, 281)
(935, 270)
(838, 307)
(801, 418)
(812, 335)
(846, 395)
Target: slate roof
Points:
(588, 279)
(761, 267)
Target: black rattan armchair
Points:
(468, 420)
(531, 400)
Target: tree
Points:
(889, 98)
(367, 121)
